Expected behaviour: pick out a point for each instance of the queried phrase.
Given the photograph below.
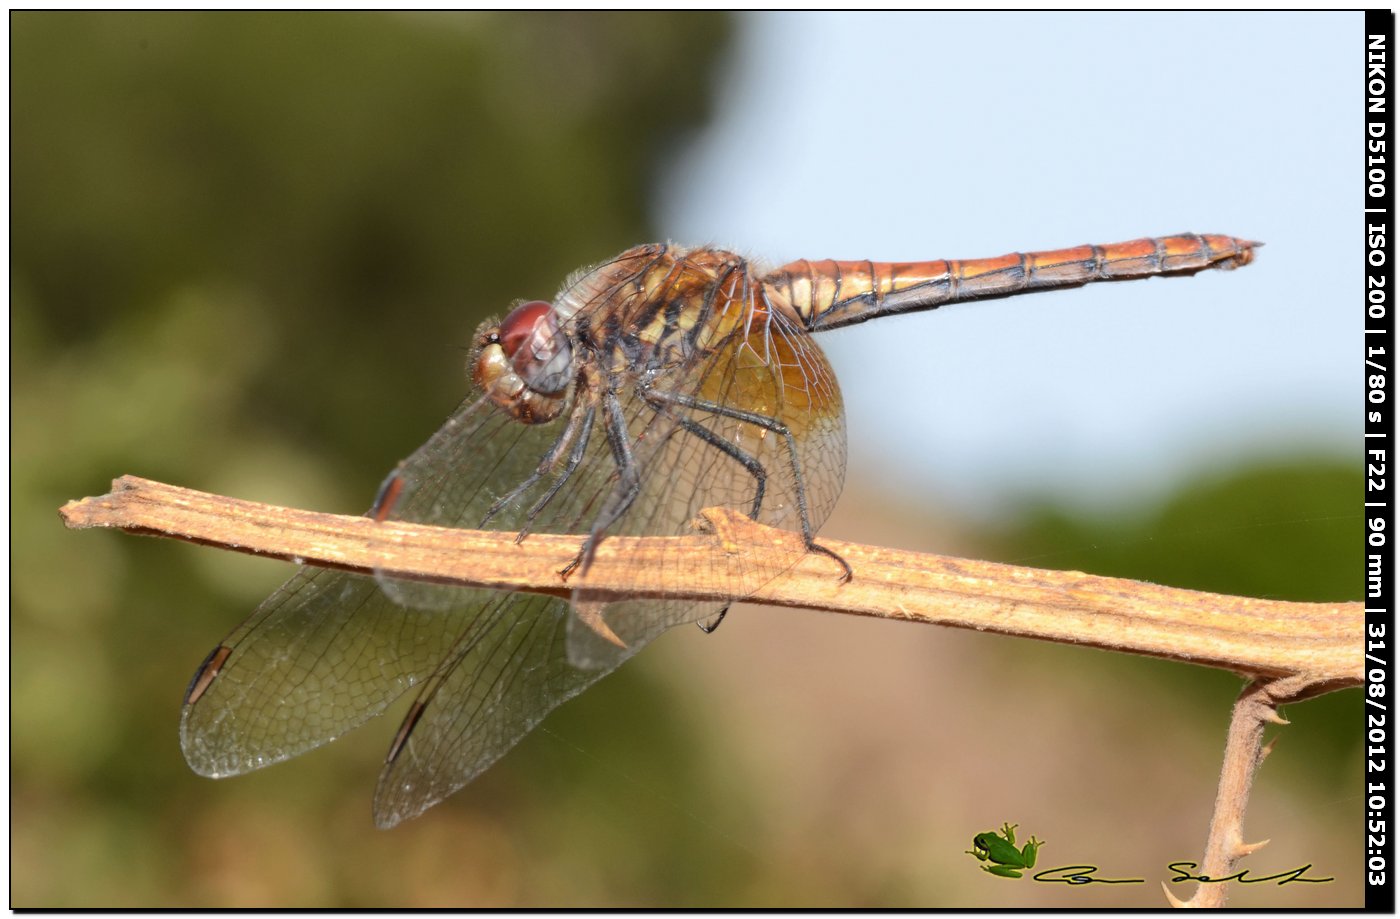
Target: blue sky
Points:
(913, 136)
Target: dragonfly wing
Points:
(322, 655)
(329, 649)
(507, 671)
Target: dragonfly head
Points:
(524, 363)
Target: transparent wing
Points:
(323, 654)
(509, 669)
(329, 649)
(754, 425)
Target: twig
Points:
(1290, 651)
(1316, 643)
(1256, 707)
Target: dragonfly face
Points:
(658, 384)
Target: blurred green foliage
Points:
(1284, 529)
(247, 250)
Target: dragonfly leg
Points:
(570, 465)
(542, 468)
(629, 483)
(743, 458)
(846, 573)
(577, 433)
(777, 427)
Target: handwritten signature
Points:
(1087, 874)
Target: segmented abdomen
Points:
(828, 294)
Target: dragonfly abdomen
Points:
(829, 294)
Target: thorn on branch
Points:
(1249, 848)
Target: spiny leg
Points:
(742, 457)
(755, 469)
(745, 459)
(570, 465)
(545, 466)
(777, 427)
(846, 572)
(629, 482)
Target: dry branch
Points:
(1316, 645)
(1288, 651)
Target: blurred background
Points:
(247, 251)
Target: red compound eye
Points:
(517, 328)
(538, 352)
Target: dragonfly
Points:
(662, 382)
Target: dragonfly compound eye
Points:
(525, 363)
(531, 339)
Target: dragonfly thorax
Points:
(525, 363)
